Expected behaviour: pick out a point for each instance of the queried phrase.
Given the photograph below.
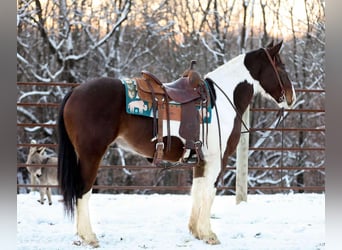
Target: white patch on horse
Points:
(83, 224)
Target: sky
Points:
(279, 221)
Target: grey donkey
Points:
(42, 175)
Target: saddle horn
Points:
(193, 62)
(186, 72)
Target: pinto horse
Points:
(93, 116)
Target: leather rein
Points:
(279, 116)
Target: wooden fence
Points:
(181, 187)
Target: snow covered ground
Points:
(281, 221)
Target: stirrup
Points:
(196, 158)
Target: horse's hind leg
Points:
(89, 164)
(84, 229)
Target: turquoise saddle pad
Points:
(136, 106)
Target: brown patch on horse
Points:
(243, 94)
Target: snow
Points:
(122, 221)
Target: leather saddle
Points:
(183, 90)
(189, 91)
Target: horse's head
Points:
(266, 66)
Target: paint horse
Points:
(42, 175)
(92, 116)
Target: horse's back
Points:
(98, 95)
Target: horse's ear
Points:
(275, 49)
(270, 45)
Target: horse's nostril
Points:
(38, 175)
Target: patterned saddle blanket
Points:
(136, 106)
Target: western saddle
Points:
(189, 91)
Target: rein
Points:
(280, 114)
(232, 104)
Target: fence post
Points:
(242, 161)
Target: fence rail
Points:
(185, 188)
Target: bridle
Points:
(282, 97)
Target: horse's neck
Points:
(228, 77)
(230, 74)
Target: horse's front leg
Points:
(203, 193)
(84, 229)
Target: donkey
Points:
(42, 175)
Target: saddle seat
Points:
(182, 90)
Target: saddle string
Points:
(155, 108)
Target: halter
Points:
(282, 97)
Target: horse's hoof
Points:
(93, 244)
(91, 241)
(212, 240)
